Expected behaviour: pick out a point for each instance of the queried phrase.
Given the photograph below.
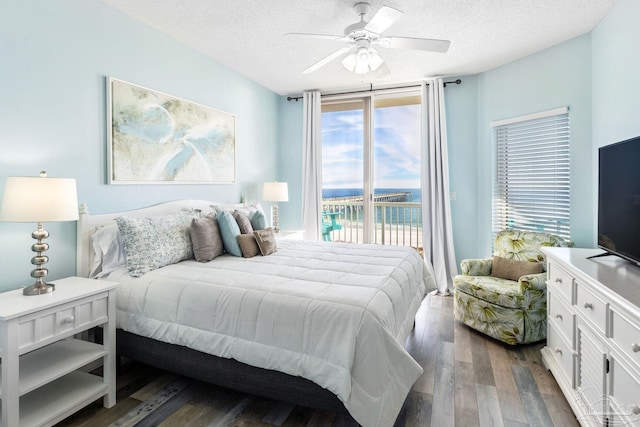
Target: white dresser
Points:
(593, 334)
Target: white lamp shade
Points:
(275, 192)
(39, 199)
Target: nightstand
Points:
(290, 235)
(42, 382)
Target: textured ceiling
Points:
(248, 35)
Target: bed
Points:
(317, 324)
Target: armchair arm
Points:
(533, 281)
(476, 267)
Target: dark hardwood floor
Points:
(468, 380)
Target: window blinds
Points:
(531, 185)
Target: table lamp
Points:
(39, 199)
(275, 192)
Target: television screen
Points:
(619, 199)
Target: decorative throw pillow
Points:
(248, 245)
(229, 230)
(266, 241)
(243, 222)
(512, 269)
(206, 238)
(151, 243)
(258, 220)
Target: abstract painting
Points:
(156, 138)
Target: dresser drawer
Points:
(46, 326)
(626, 336)
(592, 307)
(562, 353)
(561, 281)
(561, 316)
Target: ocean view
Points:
(328, 193)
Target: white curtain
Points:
(312, 166)
(436, 212)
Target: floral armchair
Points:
(512, 311)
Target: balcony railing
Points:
(395, 223)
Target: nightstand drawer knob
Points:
(559, 316)
(588, 305)
(635, 410)
(559, 351)
(635, 347)
(68, 319)
(558, 279)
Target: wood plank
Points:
(419, 410)
(534, 405)
(466, 399)
(560, 411)
(489, 411)
(443, 411)
(506, 387)
(481, 361)
(462, 341)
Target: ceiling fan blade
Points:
(383, 19)
(431, 45)
(316, 36)
(326, 60)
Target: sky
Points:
(396, 148)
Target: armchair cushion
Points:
(503, 292)
(512, 269)
(476, 267)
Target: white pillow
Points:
(108, 251)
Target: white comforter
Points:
(336, 314)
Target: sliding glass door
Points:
(371, 169)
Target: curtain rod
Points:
(295, 98)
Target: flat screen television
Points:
(619, 199)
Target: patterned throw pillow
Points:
(206, 238)
(151, 243)
(266, 241)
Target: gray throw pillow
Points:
(206, 238)
(248, 245)
(505, 268)
(266, 241)
(243, 222)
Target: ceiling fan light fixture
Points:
(363, 60)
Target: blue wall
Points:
(55, 56)
(556, 77)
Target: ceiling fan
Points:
(363, 35)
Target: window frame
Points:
(531, 182)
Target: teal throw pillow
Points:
(230, 231)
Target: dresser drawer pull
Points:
(635, 410)
(588, 305)
(635, 347)
(558, 279)
(559, 351)
(68, 319)
(558, 316)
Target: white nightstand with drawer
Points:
(41, 378)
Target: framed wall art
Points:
(155, 138)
